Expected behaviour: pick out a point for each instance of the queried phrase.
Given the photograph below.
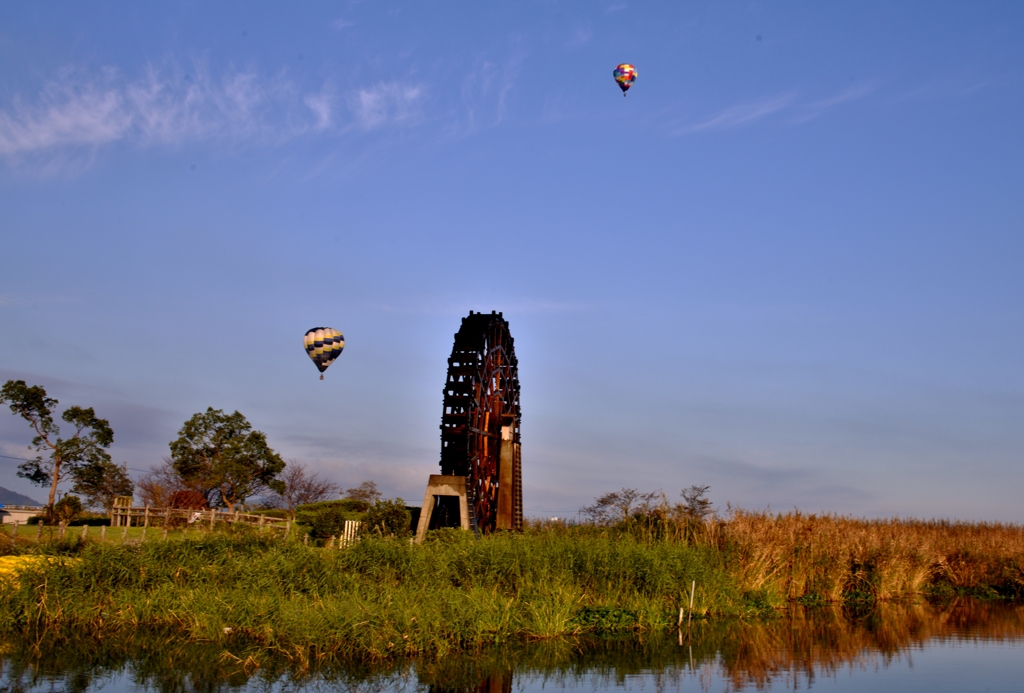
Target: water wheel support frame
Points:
(480, 422)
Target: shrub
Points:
(349, 505)
(388, 518)
(327, 519)
(328, 523)
(91, 519)
(274, 512)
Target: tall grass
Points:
(774, 559)
(384, 598)
(795, 556)
(378, 598)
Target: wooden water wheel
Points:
(480, 422)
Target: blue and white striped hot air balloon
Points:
(324, 344)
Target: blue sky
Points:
(787, 265)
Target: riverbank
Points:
(386, 598)
(812, 641)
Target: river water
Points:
(965, 645)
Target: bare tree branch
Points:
(302, 486)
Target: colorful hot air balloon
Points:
(625, 75)
(324, 344)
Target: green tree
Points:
(59, 458)
(695, 502)
(67, 509)
(220, 455)
(619, 506)
(366, 491)
(100, 483)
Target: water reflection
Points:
(795, 649)
(808, 644)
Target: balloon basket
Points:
(321, 376)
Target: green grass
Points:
(378, 598)
(27, 534)
(384, 598)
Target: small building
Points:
(121, 512)
(9, 514)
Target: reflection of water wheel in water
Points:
(462, 681)
(480, 423)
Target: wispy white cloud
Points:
(322, 106)
(951, 86)
(77, 114)
(816, 108)
(485, 92)
(168, 109)
(67, 114)
(340, 24)
(798, 110)
(387, 103)
(850, 94)
(740, 114)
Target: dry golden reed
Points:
(796, 556)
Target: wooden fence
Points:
(165, 517)
(124, 516)
(155, 517)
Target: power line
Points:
(25, 459)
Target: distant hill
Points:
(12, 498)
